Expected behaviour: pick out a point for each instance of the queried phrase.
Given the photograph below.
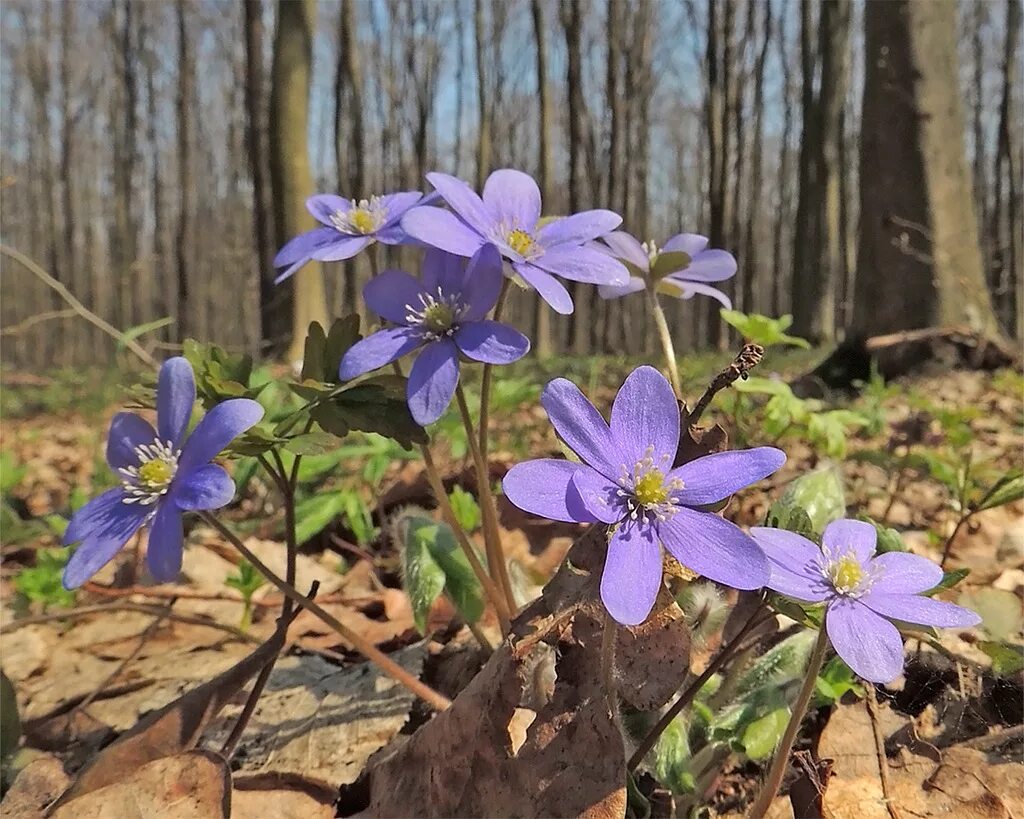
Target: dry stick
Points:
(691, 691)
(76, 305)
(883, 763)
(435, 700)
(485, 382)
(748, 358)
(82, 611)
(666, 341)
(948, 548)
(781, 759)
(492, 538)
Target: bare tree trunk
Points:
(483, 139)
(751, 260)
(460, 80)
(785, 172)
(718, 149)
(289, 157)
(542, 315)
(979, 17)
(350, 88)
(919, 262)
(184, 240)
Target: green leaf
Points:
(670, 758)
(782, 663)
(11, 472)
(313, 353)
(835, 680)
(343, 334)
(359, 518)
(423, 578)
(1006, 490)
(315, 513)
(889, 540)
(312, 443)
(999, 610)
(763, 735)
(42, 583)
(246, 580)
(133, 333)
(466, 509)
(949, 580)
(669, 262)
(767, 332)
(819, 494)
(1007, 658)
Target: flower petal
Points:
(398, 204)
(582, 427)
(547, 287)
(715, 548)
(645, 415)
(208, 487)
(106, 511)
(599, 495)
(441, 229)
(687, 290)
(689, 243)
(432, 381)
(325, 205)
(578, 228)
(867, 642)
(710, 266)
(390, 294)
(302, 246)
(127, 431)
(344, 247)
(713, 478)
(482, 284)
(844, 535)
(544, 487)
(103, 541)
(166, 540)
(913, 608)
(615, 291)
(582, 264)
(378, 349)
(219, 427)
(513, 197)
(632, 574)
(904, 573)
(625, 246)
(491, 342)
(462, 199)
(442, 271)
(175, 395)
(794, 563)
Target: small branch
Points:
(76, 305)
(748, 358)
(883, 763)
(435, 700)
(38, 318)
(948, 548)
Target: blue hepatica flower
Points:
(163, 473)
(627, 481)
(681, 268)
(442, 316)
(862, 592)
(347, 226)
(508, 216)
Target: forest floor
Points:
(944, 739)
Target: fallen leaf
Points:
(281, 797)
(38, 784)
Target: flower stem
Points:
(492, 538)
(435, 700)
(666, 341)
(781, 759)
(485, 382)
(691, 691)
(608, 635)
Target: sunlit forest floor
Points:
(914, 454)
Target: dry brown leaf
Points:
(281, 797)
(192, 785)
(38, 784)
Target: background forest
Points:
(155, 155)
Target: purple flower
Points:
(163, 474)
(627, 481)
(348, 227)
(862, 593)
(445, 315)
(508, 216)
(682, 268)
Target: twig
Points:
(948, 548)
(82, 611)
(435, 700)
(38, 318)
(883, 763)
(691, 691)
(76, 305)
(748, 358)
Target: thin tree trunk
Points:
(483, 139)
(717, 150)
(785, 172)
(751, 261)
(184, 240)
(542, 315)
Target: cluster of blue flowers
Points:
(626, 477)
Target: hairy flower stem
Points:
(756, 619)
(435, 700)
(492, 538)
(609, 631)
(666, 341)
(485, 382)
(781, 760)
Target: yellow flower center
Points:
(362, 220)
(438, 317)
(520, 241)
(155, 474)
(846, 574)
(650, 490)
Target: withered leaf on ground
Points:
(36, 786)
